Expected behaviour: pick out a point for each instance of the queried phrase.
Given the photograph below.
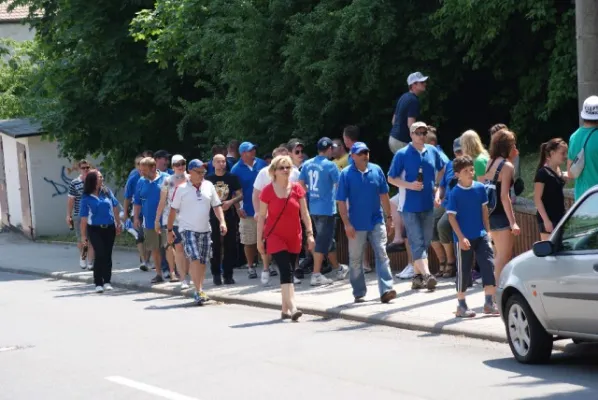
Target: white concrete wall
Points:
(16, 31)
(50, 176)
(13, 187)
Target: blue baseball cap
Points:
(324, 143)
(457, 145)
(359, 147)
(195, 164)
(246, 146)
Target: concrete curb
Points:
(335, 312)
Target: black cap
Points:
(161, 154)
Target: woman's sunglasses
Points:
(284, 168)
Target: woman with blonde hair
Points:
(282, 204)
(472, 146)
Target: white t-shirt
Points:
(194, 205)
(170, 183)
(263, 178)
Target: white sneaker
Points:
(265, 277)
(319, 280)
(99, 289)
(296, 280)
(406, 273)
(342, 272)
(82, 264)
(184, 284)
(108, 286)
(90, 267)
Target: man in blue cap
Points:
(319, 176)
(363, 186)
(246, 169)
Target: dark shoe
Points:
(359, 300)
(217, 280)
(395, 247)
(296, 315)
(144, 268)
(299, 274)
(273, 271)
(450, 271)
(430, 282)
(284, 316)
(252, 273)
(388, 296)
(441, 269)
(417, 282)
(229, 281)
(157, 279)
(326, 268)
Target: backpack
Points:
(490, 187)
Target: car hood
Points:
(511, 267)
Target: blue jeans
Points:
(377, 239)
(420, 229)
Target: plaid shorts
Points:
(198, 246)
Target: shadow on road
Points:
(577, 366)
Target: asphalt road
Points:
(58, 340)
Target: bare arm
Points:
(219, 214)
(505, 192)
(305, 217)
(398, 182)
(439, 176)
(161, 205)
(116, 211)
(343, 212)
(127, 204)
(255, 199)
(171, 218)
(486, 217)
(410, 121)
(261, 219)
(385, 200)
(455, 225)
(70, 204)
(569, 162)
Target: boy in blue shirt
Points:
(468, 214)
(319, 176)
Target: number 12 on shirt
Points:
(313, 180)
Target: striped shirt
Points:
(76, 191)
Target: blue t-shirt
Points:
(147, 195)
(466, 203)
(445, 182)
(362, 190)
(99, 210)
(407, 107)
(405, 165)
(320, 176)
(247, 177)
(132, 183)
(442, 154)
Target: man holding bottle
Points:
(414, 170)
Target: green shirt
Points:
(479, 165)
(589, 175)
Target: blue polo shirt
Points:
(320, 176)
(99, 210)
(466, 203)
(442, 154)
(363, 190)
(132, 183)
(147, 195)
(445, 182)
(247, 177)
(405, 165)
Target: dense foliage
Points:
(120, 76)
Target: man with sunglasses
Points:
(362, 185)
(174, 252)
(192, 201)
(72, 212)
(416, 169)
(296, 148)
(224, 249)
(246, 169)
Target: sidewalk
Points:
(415, 310)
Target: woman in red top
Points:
(283, 202)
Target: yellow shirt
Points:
(342, 162)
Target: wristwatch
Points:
(169, 230)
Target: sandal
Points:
(441, 270)
(450, 270)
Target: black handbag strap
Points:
(281, 212)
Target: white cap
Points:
(176, 158)
(590, 109)
(416, 77)
(416, 125)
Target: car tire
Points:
(529, 341)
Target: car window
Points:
(580, 231)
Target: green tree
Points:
(17, 63)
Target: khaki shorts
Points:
(248, 231)
(395, 144)
(153, 240)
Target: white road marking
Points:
(8, 348)
(156, 391)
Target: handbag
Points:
(579, 162)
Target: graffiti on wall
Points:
(61, 185)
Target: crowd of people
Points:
(283, 209)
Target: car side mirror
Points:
(543, 248)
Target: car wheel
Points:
(529, 341)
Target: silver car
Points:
(551, 292)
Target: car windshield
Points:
(580, 231)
